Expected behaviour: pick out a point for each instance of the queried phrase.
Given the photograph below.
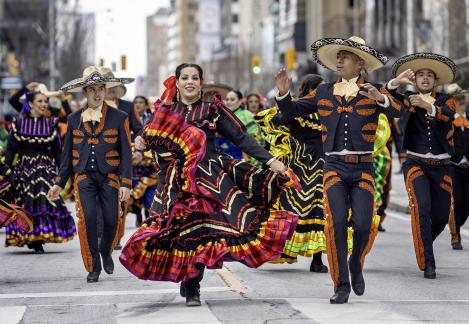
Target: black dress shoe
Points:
(193, 300)
(429, 272)
(192, 292)
(340, 297)
(93, 276)
(108, 264)
(457, 246)
(319, 268)
(358, 283)
(182, 290)
(381, 228)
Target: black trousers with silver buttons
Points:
(430, 193)
(95, 191)
(348, 187)
(461, 202)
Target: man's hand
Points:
(417, 101)
(124, 193)
(140, 144)
(31, 86)
(278, 166)
(137, 157)
(282, 82)
(406, 77)
(371, 92)
(54, 193)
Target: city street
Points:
(51, 288)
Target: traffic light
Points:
(123, 62)
(256, 63)
(101, 62)
(290, 58)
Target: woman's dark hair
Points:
(143, 98)
(182, 66)
(31, 96)
(308, 84)
(258, 96)
(238, 94)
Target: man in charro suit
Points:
(97, 152)
(114, 98)
(427, 125)
(348, 111)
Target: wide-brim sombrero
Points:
(325, 51)
(442, 66)
(93, 75)
(209, 89)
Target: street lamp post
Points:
(51, 17)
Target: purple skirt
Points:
(52, 222)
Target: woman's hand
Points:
(283, 82)
(140, 144)
(278, 166)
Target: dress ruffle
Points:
(52, 222)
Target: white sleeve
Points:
(278, 97)
(390, 86)
(385, 104)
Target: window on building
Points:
(235, 18)
(192, 5)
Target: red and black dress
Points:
(208, 207)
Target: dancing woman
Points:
(208, 207)
(35, 140)
(297, 142)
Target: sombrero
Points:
(42, 88)
(122, 90)
(92, 75)
(443, 67)
(325, 51)
(209, 89)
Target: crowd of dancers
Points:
(215, 176)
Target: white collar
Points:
(351, 80)
(100, 108)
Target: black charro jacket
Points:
(361, 113)
(110, 140)
(421, 130)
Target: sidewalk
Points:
(399, 201)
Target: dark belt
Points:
(353, 158)
(429, 161)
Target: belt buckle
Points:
(351, 158)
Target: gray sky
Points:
(121, 29)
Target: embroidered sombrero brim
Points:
(444, 67)
(325, 51)
(77, 85)
(210, 89)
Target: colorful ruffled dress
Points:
(208, 207)
(297, 143)
(36, 143)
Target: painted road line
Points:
(232, 281)
(12, 315)
(169, 314)
(105, 293)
